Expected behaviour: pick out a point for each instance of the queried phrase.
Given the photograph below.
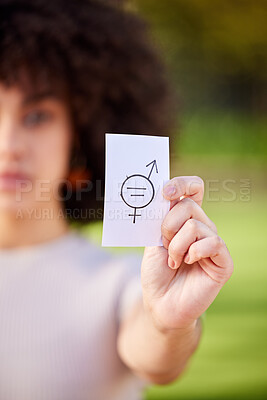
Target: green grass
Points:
(220, 132)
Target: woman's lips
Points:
(10, 181)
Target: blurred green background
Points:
(215, 52)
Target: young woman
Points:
(77, 322)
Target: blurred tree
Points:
(216, 49)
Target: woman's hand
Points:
(182, 278)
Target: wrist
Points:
(180, 330)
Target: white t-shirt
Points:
(60, 306)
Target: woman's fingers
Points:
(184, 210)
(188, 186)
(214, 248)
(190, 232)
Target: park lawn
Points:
(222, 132)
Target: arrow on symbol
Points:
(154, 164)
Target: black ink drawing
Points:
(137, 191)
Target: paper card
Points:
(137, 168)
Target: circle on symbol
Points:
(137, 191)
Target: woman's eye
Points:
(36, 117)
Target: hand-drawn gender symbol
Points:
(137, 191)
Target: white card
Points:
(137, 168)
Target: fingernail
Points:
(169, 190)
(171, 263)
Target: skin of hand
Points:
(179, 282)
(183, 277)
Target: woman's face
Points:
(35, 143)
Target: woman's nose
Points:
(11, 140)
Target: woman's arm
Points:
(155, 355)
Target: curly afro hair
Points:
(100, 60)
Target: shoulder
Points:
(110, 277)
(84, 250)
